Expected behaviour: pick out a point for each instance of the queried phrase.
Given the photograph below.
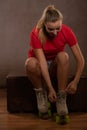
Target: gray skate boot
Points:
(42, 104)
(62, 110)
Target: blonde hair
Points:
(50, 14)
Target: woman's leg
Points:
(33, 71)
(34, 74)
(60, 69)
(62, 61)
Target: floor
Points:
(30, 121)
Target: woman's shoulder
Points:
(34, 32)
(66, 27)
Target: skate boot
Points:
(62, 110)
(43, 104)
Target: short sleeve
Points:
(34, 41)
(70, 37)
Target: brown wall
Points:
(17, 18)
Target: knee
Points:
(31, 64)
(62, 58)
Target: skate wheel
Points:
(67, 119)
(45, 115)
(49, 113)
(40, 114)
(57, 119)
(49, 105)
(49, 109)
(62, 119)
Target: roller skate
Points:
(62, 116)
(44, 107)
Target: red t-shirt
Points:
(52, 46)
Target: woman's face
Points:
(53, 28)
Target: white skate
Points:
(42, 103)
(62, 110)
(61, 103)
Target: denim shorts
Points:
(48, 63)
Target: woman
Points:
(47, 43)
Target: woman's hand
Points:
(72, 87)
(52, 95)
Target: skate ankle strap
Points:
(38, 89)
(61, 94)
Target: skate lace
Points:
(61, 98)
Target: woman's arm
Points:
(79, 60)
(72, 87)
(45, 73)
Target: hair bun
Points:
(50, 7)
